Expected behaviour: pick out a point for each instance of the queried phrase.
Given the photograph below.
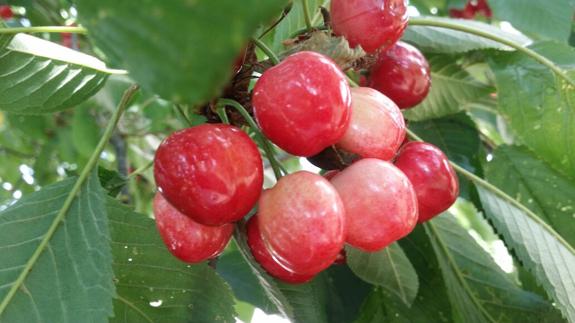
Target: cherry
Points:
(303, 103)
(402, 74)
(377, 128)
(333, 158)
(302, 222)
(433, 178)
(380, 203)
(471, 9)
(213, 173)
(186, 239)
(265, 259)
(6, 12)
(373, 24)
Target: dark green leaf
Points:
(447, 41)
(452, 88)
(537, 246)
(181, 50)
(85, 131)
(389, 268)
(545, 19)
(478, 289)
(71, 281)
(111, 181)
(537, 186)
(539, 107)
(153, 285)
(37, 76)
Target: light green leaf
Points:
(153, 285)
(38, 76)
(546, 19)
(181, 50)
(540, 107)
(71, 281)
(447, 41)
(269, 284)
(478, 289)
(451, 88)
(4, 38)
(541, 250)
(389, 268)
(537, 186)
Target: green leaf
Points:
(236, 271)
(71, 280)
(4, 38)
(537, 246)
(389, 268)
(539, 107)
(181, 50)
(153, 285)
(447, 41)
(37, 76)
(537, 186)
(545, 19)
(452, 88)
(269, 284)
(478, 289)
(308, 300)
(85, 131)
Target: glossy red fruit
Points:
(303, 103)
(380, 203)
(186, 239)
(482, 7)
(265, 259)
(6, 12)
(402, 74)
(302, 222)
(468, 12)
(373, 24)
(213, 173)
(377, 128)
(432, 177)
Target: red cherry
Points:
(186, 239)
(373, 24)
(6, 12)
(213, 173)
(482, 7)
(265, 259)
(302, 222)
(330, 174)
(376, 129)
(380, 203)
(303, 103)
(402, 74)
(433, 178)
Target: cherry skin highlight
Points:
(433, 178)
(302, 222)
(212, 173)
(265, 259)
(303, 103)
(186, 239)
(376, 129)
(380, 203)
(372, 24)
(402, 74)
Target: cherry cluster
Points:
(211, 176)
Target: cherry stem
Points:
(44, 29)
(86, 171)
(481, 182)
(261, 45)
(181, 112)
(140, 170)
(266, 145)
(306, 15)
(481, 33)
